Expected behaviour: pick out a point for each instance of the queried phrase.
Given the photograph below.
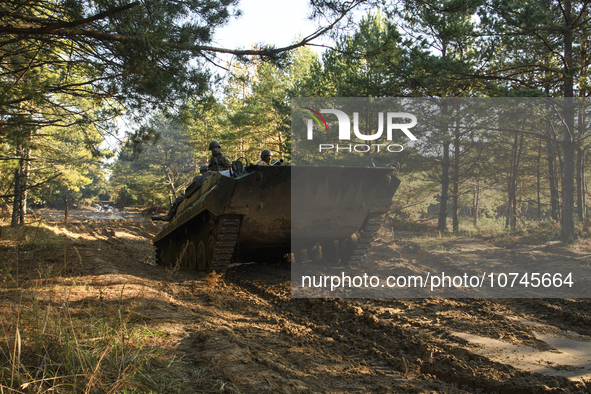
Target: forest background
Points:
(70, 69)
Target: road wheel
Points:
(159, 255)
(211, 245)
(191, 253)
(166, 254)
(183, 257)
(330, 252)
(202, 260)
(300, 255)
(347, 247)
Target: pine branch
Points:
(33, 186)
(50, 26)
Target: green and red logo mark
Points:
(317, 116)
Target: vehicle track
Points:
(397, 339)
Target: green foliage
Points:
(133, 54)
(70, 67)
(257, 105)
(158, 171)
(60, 93)
(530, 42)
(364, 64)
(203, 119)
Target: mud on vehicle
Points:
(270, 213)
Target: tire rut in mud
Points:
(369, 333)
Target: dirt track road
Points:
(248, 332)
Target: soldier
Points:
(266, 156)
(197, 180)
(196, 184)
(172, 211)
(218, 160)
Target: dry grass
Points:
(213, 279)
(51, 341)
(50, 349)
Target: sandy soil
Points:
(247, 330)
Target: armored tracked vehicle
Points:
(267, 212)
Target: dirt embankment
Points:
(247, 331)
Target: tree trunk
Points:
(476, 202)
(445, 164)
(568, 191)
(579, 180)
(518, 158)
(18, 216)
(538, 176)
(281, 154)
(442, 223)
(170, 179)
(25, 180)
(512, 203)
(16, 207)
(569, 145)
(511, 193)
(584, 193)
(581, 209)
(455, 182)
(583, 92)
(554, 198)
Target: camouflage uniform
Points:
(263, 163)
(197, 181)
(219, 162)
(196, 184)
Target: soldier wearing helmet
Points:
(196, 184)
(218, 160)
(266, 156)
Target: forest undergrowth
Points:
(61, 333)
(496, 231)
